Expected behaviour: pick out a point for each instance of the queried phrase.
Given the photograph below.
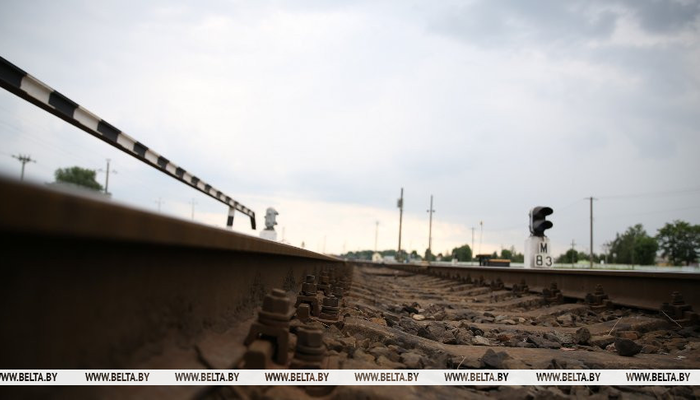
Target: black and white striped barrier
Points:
(41, 95)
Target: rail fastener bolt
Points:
(310, 353)
(552, 295)
(497, 285)
(324, 284)
(304, 312)
(330, 309)
(521, 289)
(679, 311)
(308, 295)
(598, 300)
(272, 326)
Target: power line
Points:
(649, 213)
(510, 228)
(652, 194)
(42, 141)
(560, 209)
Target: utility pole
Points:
(481, 235)
(159, 202)
(400, 204)
(591, 255)
(573, 244)
(376, 236)
(193, 202)
(430, 226)
(473, 244)
(24, 160)
(107, 171)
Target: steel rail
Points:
(29, 88)
(637, 289)
(88, 283)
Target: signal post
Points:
(537, 247)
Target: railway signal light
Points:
(538, 220)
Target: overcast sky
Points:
(325, 110)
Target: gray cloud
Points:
(665, 16)
(519, 23)
(542, 23)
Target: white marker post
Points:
(537, 252)
(270, 222)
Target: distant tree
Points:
(494, 255)
(518, 257)
(429, 255)
(414, 254)
(78, 176)
(506, 254)
(446, 256)
(512, 255)
(633, 247)
(581, 256)
(364, 255)
(388, 253)
(679, 242)
(570, 257)
(463, 253)
(645, 249)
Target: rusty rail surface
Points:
(644, 290)
(90, 283)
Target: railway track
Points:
(97, 285)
